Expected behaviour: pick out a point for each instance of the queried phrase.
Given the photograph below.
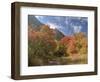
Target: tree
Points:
(41, 45)
(81, 42)
(69, 42)
(46, 29)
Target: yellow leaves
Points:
(44, 46)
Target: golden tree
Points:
(81, 42)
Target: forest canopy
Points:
(44, 48)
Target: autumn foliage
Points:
(44, 49)
(69, 42)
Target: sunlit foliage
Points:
(45, 49)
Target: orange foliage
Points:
(48, 30)
(45, 34)
(69, 42)
(81, 42)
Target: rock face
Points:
(34, 22)
(58, 34)
(37, 25)
(64, 25)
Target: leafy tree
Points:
(46, 29)
(69, 42)
(81, 42)
(41, 45)
(60, 50)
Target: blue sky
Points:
(68, 25)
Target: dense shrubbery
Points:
(44, 49)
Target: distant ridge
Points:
(33, 21)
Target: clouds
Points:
(66, 24)
(77, 29)
(52, 26)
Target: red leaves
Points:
(48, 30)
(44, 45)
(69, 42)
(45, 34)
